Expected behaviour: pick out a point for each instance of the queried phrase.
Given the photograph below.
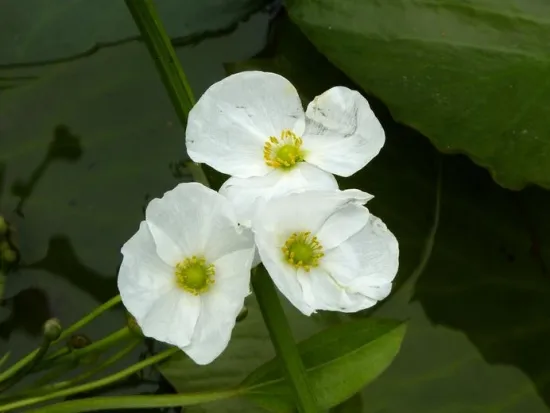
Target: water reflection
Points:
(29, 309)
(12, 81)
(65, 146)
(62, 260)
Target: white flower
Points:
(186, 271)
(252, 126)
(325, 251)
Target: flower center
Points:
(301, 250)
(283, 152)
(194, 275)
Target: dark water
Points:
(87, 141)
(84, 144)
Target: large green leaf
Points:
(339, 361)
(38, 30)
(473, 278)
(470, 75)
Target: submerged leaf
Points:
(38, 31)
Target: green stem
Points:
(92, 385)
(18, 366)
(63, 351)
(106, 363)
(96, 347)
(281, 336)
(51, 376)
(90, 317)
(76, 326)
(135, 402)
(81, 377)
(197, 173)
(162, 52)
(4, 358)
(43, 386)
(20, 373)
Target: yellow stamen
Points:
(283, 152)
(194, 275)
(301, 250)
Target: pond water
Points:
(88, 136)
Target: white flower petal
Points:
(342, 133)
(143, 276)
(323, 293)
(172, 318)
(283, 275)
(227, 236)
(245, 194)
(185, 219)
(367, 262)
(279, 217)
(233, 119)
(375, 287)
(341, 225)
(303, 211)
(189, 220)
(220, 306)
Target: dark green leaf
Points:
(473, 280)
(351, 405)
(471, 75)
(339, 362)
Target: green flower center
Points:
(283, 152)
(194, 275)
(301, 250)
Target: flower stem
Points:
(91, 385)
(90, 317)
(281, 336)
(33, 361)
(4, 358)
(44, 389)
(129, 402)
(96, 347)
(65, 333)
(161, 50)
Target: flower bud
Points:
(52, 329)
(3, 226)
(242, 314)
(78, 341)
(9, 255)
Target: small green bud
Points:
(4, 245)
(3, 226)
(242, 314)
(52, 329)
(133, 325)
(78, 341)
(9, 255)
